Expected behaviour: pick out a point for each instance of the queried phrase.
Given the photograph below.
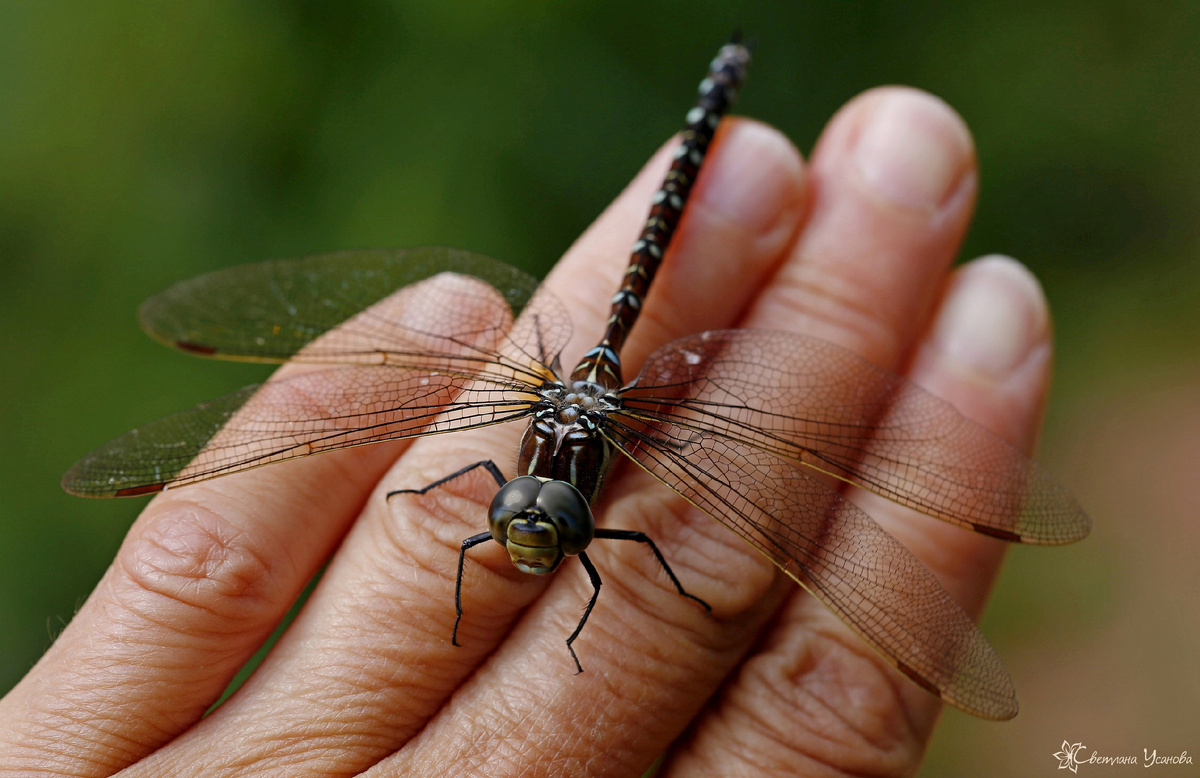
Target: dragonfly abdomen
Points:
(718, 90)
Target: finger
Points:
(747, 218)
(200, 581)
(814, 699)
(645, 649)
(988, 352)
(368, 662)
(895, 182)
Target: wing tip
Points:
(1000, 705)
(1065, 527)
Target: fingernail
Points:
(914, 150)
(754, 179)
(992, 317)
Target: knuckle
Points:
(191, 560)
(824, 699)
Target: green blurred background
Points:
(142, 145)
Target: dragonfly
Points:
(756, 428)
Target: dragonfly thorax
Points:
(564, 442)
(540, 521)
(570, 403)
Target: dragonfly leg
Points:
(486, 464)
(641, 537)
(594, 576)
(467, 544)
(595, 579)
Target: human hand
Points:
(855, 249)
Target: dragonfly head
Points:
(540, 521)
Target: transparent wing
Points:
(820, 405)
(834, 550)
(269, 311)
(439, 355)
(292, 417)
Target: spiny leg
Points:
(467, 544)
(594, 576)
(486, 464)
(641, 537)
(595, 579)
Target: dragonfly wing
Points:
(292, 416)
(827, 408)
(835, 551)
(270, 311)
(440, 354)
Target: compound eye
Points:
(570, 513)
(514, 498)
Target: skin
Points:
(854, 247)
